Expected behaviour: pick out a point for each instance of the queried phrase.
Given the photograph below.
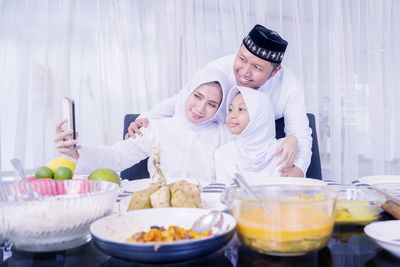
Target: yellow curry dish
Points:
(291, 230)
(357, 204)
(355, 212)
(292, 219)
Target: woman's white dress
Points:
(185, 153)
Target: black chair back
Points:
(139, 170)
(314, 170)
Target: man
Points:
(258, 65)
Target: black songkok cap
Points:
(265, 44)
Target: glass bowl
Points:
(357, 204)
(302, 221)
(60, 218)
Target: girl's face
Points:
(238, 117)
(203, 102)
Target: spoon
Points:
(241, 182)
(208, 221)
(18, 166)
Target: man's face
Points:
(238, 117)
(251, 71)
(203, 102)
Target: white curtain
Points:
(121, 56)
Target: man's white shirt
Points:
(287, 97)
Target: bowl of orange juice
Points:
(290, 220)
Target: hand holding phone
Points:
(69, 114)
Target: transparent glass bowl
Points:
(357, 204)
(60, 218)
(302, 221)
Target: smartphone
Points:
(68, 105)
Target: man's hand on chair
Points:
(293, 172)
(134, 127)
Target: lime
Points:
(63, 173)
(61, 162)
(44, 172)
(106, 175)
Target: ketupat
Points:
(141, 199)
(192, 190)
(161, 198)
(181, 199)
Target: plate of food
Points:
(164, 193)
(131, 235)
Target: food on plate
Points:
(161, 198)
(63, 173)
(290, 230)
(352, 211)
(105, 175)
(161, 195)
(393, 208)
(141, 199)
(61, 162)
(192, 190)
(160, 234)
(44, 172)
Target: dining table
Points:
(349, 246)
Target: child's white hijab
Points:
(253, 147)
(204, 75)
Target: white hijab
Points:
(204, 75)
(254, 146)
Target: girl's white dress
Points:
(250, 153)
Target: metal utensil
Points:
(209, 221)
(242, 183)
(18, 166)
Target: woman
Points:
(187, 140)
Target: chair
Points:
(139, 170)
(314, 170)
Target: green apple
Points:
(105, 175)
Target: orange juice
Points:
(294, 230)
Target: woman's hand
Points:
(288, 148)
(134, 127)
(65, 147)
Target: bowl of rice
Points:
(60, 215)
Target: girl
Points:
(251, 118)
(187, 140)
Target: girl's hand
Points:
(65, 147)
(134, 127)
(288, 148)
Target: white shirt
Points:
(287, 97)
(225, 167)
(186, 153)
(250, 153)
(187, 149)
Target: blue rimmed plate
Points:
(110, 233)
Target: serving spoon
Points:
(18, 166)
(238, 179)
(209, 221)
